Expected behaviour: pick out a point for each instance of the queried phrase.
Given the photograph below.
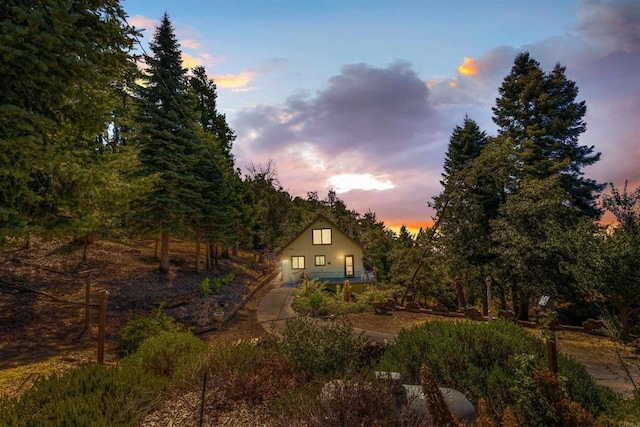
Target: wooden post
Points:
(552, 356)
(102, 322)
(87, 303)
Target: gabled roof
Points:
(333, 225)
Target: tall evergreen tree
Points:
(169, 146)
(538, 113)
(468, 202)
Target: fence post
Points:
(102, 322)
(87, 303)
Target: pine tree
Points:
(467, 204)
(538, 113)
(539, 117)
(169, 145)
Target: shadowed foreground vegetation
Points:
(498, 366)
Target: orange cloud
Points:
(234, 81)
(189, 61)
(453, 82)
(469, 67)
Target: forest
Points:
(104, 140)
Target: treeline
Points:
(93, 144)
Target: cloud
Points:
(614, 24)
(189, 61)
(364, 111)
(468, 67)
(346, 182)
(143, 23)
(190, 44)
(235, 81)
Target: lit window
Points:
(322, 236)
(297, 262)
(321, 260)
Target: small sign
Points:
(544, 300)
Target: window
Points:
(322, 236)
(297, 262)
(321, 260)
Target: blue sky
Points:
(362, 95)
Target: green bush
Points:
(92, 395)
(322, 350)
(212, 285)
(485, 361)
(138, 330)
(172, 355)
(313, 300)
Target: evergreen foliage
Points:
(60, 62)
(169, 146)
(538, 113)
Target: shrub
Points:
(354, 401)
(212, 285)
(172, 355)
(91, 395)
(138, 330)
(485, 361)
(322, 350)
(249, 373)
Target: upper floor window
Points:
(321, 260)
(321, 236)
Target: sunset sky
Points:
(362, 95)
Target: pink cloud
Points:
(142, 22)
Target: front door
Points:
(348, 266)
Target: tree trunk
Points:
(214, 247)
(625, 316)
(515, 302)
(462, 303)
(198, 237)
(155, 251)
(164, 251)
(208, 256)
(85, 246)
(523, 309)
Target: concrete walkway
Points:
(275, 309)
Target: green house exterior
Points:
(325, 252)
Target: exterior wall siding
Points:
(334, 270)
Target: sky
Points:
(361, 96)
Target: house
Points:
(325, 252)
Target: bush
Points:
(485, 361)
(91, 395)
(250, 374)
(322, 350)
(138, 330)
(313, 299)
(172, 355)
(355, 401)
